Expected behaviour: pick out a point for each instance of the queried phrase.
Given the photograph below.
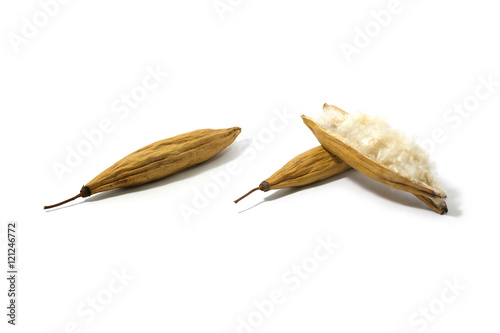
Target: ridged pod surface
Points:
(160, 159)
(311, 166)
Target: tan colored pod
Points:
(314, 165)
(160, 159)
(433, 197)
(311, 166)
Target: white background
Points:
(203, 273)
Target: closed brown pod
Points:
(311, 166)
(159, 160)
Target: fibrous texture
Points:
(377, 140)
(371, 146)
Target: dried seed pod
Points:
(311, 166)
(370, 146)
(314, 165)
(160, 159)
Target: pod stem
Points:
(264, 186)
(63, 202)
(249, 192)
(84, 192)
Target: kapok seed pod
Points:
(159, 160)
(329, 134)
(318, 164)
(436, 204)
(311, 166)
(364, 165)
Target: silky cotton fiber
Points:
(373, 137)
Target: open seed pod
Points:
(369, 145)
